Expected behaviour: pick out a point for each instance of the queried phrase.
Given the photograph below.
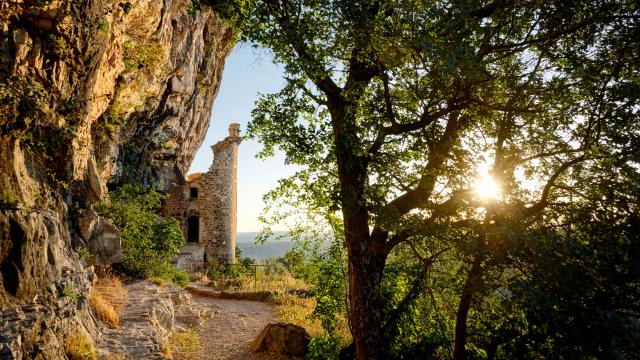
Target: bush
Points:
(148, 245)
(177, 276)
(323, 348)
(220, 271)
(226, 271)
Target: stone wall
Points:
(214, 206)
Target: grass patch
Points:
(186, 342)
(107, 298)
(77, 347)
(261, 280)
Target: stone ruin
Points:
(205, 206)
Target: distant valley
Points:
(270, 249)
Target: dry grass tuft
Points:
(77, 347)
(296, 310)
(107, 298)
(262, 281)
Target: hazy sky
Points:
(247, 73)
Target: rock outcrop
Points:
(146, 323)
(92, 94)
(101, 238)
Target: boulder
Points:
(104, 245)
(282, 338)
(102, 238)
(86, 222)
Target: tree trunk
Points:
(365, 275)
(366, 265)
(468, 290)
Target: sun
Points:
(487, 188)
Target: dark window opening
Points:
(194, 193)
(193, 233)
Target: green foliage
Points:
(59, 46)
(176, 276)
(328, 279)
(233, 11)
(391, 109)
(139, 55)
(10, 201)
(325, 347)
(27, 117)
(103, 28)
(581, 274)
(148, 245)
(71, 293)
(82, 251)
(294, 261)
(244, 265)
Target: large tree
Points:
(391, 107)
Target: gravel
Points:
(230, 332)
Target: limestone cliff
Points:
(92, 93)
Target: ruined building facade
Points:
(206, 207)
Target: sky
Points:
(247, 73)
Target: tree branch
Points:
(314, 69)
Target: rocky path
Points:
(228, 334)
(146, 322)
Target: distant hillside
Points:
(271, 248)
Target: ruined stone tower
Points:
(206, 207)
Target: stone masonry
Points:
(206, 207)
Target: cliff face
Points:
(92, 93)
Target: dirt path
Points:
(229, 333)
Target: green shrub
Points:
(219, 271)
(177, 276)
(148, 245)
(323, 348)
(59, 46)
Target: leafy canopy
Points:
(394, 108)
